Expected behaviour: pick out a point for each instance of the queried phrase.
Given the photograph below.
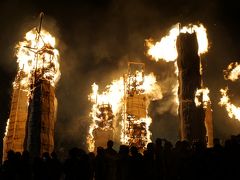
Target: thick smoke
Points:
(96, 40)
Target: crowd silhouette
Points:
(159, 161)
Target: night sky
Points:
(96, 39)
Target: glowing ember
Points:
(233, 72)
(37, 57)
(233, 111)
(202, 97)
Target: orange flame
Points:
(166, 49)
(37, 55)
(202, 97)
(233, 111)
(113, 96)
(233, 72)
(7, 126)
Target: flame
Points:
(151, 88)
(233, 111)
(125, 139)
(202, 97)
(233, 72)
(36, 56)
(113, 95)
(37, 59)
(166, 49)
(7, 126)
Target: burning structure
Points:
(16, 125)
(33, 109)
(191, 117)
(139, 91)
(184, 45)
(202, 100)
(135, 127)
(103, 116)
(122, 109)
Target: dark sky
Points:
(96, 38)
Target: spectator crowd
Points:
(159, 161)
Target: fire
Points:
(233, 72)
(136, 122)
(151, 88)
(37, 56)
(166, 49)
(112, 100)
(37, 60)
(233, 111)
(202, 97)
(125, 136)
(7, 126)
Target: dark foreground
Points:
(160, 161)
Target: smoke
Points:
(168, 104)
